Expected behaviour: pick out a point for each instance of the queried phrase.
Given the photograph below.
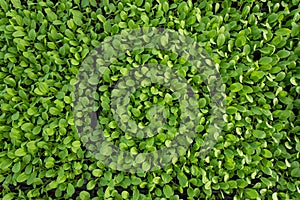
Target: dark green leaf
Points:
(251, 193)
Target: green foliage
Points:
(254, 45)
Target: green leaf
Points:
(4, 5)
(265, 60)
(221, 40)
(145, 18)
(235, 87)
(295, 29)
(183, 180)
(76, 144)
(125, 195)
(16, 3)
(31, 146)
(17, 167)
(181, 72)
(5, 164)
(97, 172)
(84, 3)
(166, 178)
(123, 15)
(270, 95)
(251, 193)
(202, 103)
(257, 75)
(280, 76)
(32, 34)
(259, 134)
(106, 150)
(164, 40)
(91, 185)
(17, 34)
(77, 16)
(191, 20)
(272, 17)
(283, 53)
(9, 196)
(247, 49)
(50, 15)
(15, 116)
(146, 166)
(231, 110)
(43, 87)
(240, 41)
(283, 32)
(135, 180)
(10, 81)
(20, 152)
(22, 177)
(130, 83)
(49, 162)
(107, 26)
(93, 80)
(101, 18)
(266, 181)
(54, 111)
(140, 158)
(168, 191)
(165, 6)
(112, 124)
(296, 172)
(84, 53)
(293, 81)
(70, 189)
(154, 90)
(266, 153)
(183, 8)
(84, 195)
(168, 98)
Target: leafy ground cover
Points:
(254, 45)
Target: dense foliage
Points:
(255, 46)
